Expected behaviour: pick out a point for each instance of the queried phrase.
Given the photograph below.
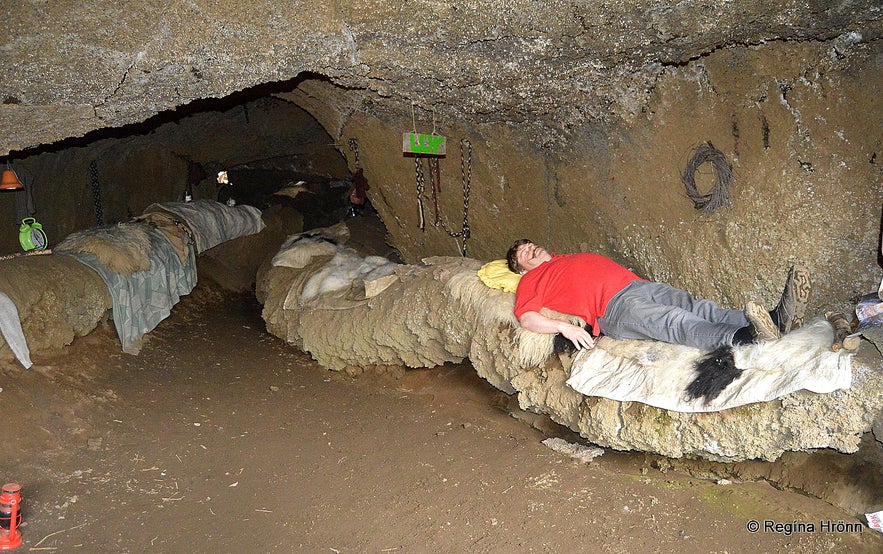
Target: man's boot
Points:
(790, 312)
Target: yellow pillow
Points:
(496, 275)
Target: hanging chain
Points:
(354, 146)
(421, 186)
(466, 173)
(96, 192)
(435, 187)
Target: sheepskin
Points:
(143, 299)
(343, 270)
(435, 312)
(299, 249)
(175, 232)
(657, 373)
(291, 191)
(69, 302)
(123, 248)
(493, 307)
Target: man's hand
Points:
(538, 323)
(578, 336)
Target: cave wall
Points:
(799, 122)
(581, 117)
(793, 121)
(268, 135)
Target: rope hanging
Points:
(719, 196)
(28, 253)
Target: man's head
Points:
(524, 255)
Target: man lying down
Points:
(616, 302)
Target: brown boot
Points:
(764, 328)
(790, 312)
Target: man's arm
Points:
(538, 323)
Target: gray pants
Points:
(646, 310)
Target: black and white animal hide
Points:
(714, 372)
(717, 370)
(563, 345)
(684, 379)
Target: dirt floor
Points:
(219, 437)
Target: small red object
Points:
(10, 516)
(358, 190)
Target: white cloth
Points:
(10, 325)
(657, 373)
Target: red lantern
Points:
(10, 516)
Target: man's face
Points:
(529, 256)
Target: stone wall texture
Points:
(581, 118)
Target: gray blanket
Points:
(210, 222)
(143, 299)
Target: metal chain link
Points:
(354, 146)
(435, 183)
(435, 187)
(96, 192)
(466, 174)
(421, 186)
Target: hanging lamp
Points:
(9, 180)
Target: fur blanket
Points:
(428, 314)
(298, 250)
(175, 232)
(342, 272)
(658, 374)
(123, 248)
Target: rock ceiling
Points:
(70, 68)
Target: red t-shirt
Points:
(577, 284)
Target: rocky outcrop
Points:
(800, 421)
(57, 299)
(439, 311)
(234, 264)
